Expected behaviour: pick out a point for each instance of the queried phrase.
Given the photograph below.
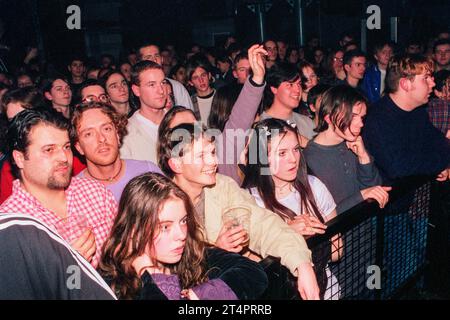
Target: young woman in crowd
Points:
(276, 176)
(116, 86)
(59, 94)
(156, 250)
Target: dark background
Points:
(109, 26)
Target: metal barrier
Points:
(383, 251)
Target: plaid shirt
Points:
(439, 113)
(84, 197)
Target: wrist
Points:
(257, 81)
(364, 158)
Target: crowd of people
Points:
(125, 170)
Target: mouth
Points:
(210, 172)
(178, 250)
(62, 169)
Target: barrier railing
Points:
(383, 251)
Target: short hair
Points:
(406, 66)
(337, 103)
(140, 67)
(441, 78)
(440, 42)
(120, 121)
(279, 73)
(77, 57)
(19, 130)
(145, 45)
(239, 57)
(174, 141)
(28, 97)
(350, 55)
(104, 79)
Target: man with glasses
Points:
(92, 91)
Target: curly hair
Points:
(120, 121)
(136, 227)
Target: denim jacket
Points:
(372, 83)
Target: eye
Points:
(67, 147)
(184, 221)
(87, 134)
(48, 149)
(282, 153)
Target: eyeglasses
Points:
(92, 98)
(338, 59)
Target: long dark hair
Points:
(263, 182)
(134, 229)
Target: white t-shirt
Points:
(182, 97)
(149, 126)
(204, 106)
(326, 205)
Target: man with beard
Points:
(42, 160)
(97, 131)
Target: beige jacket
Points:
(269, 234)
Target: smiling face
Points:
(199, 163)
(170, 240)
(288, 94)
(47, 162)
(284, 157)
(97, 136)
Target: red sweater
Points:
(6, 177)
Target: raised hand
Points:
(257, 62)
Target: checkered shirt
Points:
(439, 113)
(84, 197)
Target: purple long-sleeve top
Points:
(231, 142)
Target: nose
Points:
(64, 155)
(180, 233)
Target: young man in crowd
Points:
(97, 131)
(58, 92)
(91, 90)
(199, 77)
(283, 94)
(152, 52)
(42, 159)
(241, 68)
(398, 133)
(441, 55)
(77, 71)
(148, 83)
(374, 78)
(191, 162)
(355, 68)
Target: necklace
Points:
(107, 179)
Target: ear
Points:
(274, 90)
(136, 90)
(438, 93)
(311, 106)
(175, 165)
(78, 147)
(69, 68)
(404, 84)
(190, 83)
(48, 95)
(346, 67)
(19, 158)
